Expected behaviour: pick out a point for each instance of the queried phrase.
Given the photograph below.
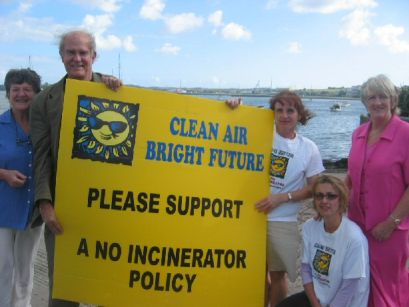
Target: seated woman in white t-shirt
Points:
(335, 262)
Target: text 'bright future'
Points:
(172, 152)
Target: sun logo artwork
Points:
(278, 166)
(105, 130)
(322, 262)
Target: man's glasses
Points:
(329, 196)
(115, 126)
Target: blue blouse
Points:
(16, 153)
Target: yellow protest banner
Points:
(156, 194)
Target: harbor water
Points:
(331, 131)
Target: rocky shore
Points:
(336, 166)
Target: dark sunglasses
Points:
(329, 196)
(115, 126)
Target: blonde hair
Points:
(381, 85)
(339, 186)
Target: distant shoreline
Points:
(267, 95)
(270, 95)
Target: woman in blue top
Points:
(18, 241)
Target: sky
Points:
(216, 43)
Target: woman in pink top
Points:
(378, 175)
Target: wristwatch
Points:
(395, 219)
(290, 197)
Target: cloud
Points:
(216, 18)
(152, 9)
(34, 29)
(128, 44)
(107, 6)
(294, 47)
(388, 36)
(355, 27)
(108, 42)
(271, 4)
(234, 31)
(99, 25)
(231, 31)
(183, 22)
(175, 24)
(46, 30)
(168, 48)
(328, 7)
(25, 6)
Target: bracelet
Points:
(290, 197)
(395, 219)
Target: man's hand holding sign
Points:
(162, 213)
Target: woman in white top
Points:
(335, 262)
(295, 165)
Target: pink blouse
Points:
(386, 173)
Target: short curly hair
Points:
(20, 76)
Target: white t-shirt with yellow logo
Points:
(335, 256)
(292, 161)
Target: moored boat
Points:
(336, 107)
